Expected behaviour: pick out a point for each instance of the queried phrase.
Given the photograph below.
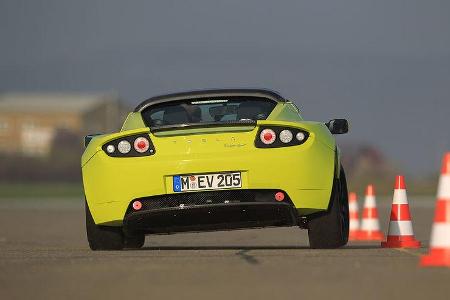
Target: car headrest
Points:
(248, 110)
(175, 115)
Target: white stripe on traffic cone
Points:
(400, 234)
(370, 226)
(439, 254)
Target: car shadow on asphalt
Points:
(230, 247)
(362, 246)
(246, 247)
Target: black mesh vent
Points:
(191, 199)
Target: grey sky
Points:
(383, 64)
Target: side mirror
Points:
(338, 126)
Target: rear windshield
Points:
(208, 111)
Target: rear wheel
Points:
(103, 237)
(330, 229)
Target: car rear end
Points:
(225, 174)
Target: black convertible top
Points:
(264, 93)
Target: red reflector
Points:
(137, 205)
(279, 196)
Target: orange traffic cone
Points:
(370, 226)
(439, 254)
(400, 234)
(354, 218)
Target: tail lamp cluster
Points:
(129, 146)
(276, 136)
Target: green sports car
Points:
(215, 160)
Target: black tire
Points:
(135, 241)
(330, 230)
(103, 237)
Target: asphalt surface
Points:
(44, 255)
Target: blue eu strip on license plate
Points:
(176, 183)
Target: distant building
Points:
(29, 121)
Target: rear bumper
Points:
(305, 172)
(211, 217)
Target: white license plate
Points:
(184, 183)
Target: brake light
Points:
(141, 144)
(130, 146)
(267, 136)
(273, 136)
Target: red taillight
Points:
(279, 196)
(137, 205)
(141, 144)
(267, 136)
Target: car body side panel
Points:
(285, 111)
(133, 121)
(305, 172)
